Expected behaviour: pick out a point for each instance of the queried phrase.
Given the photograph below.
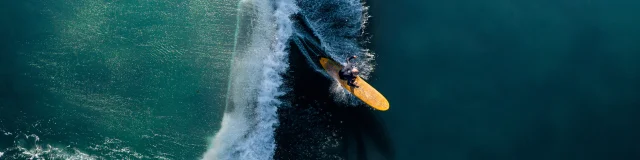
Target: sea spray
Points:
(250, 118)
(339, 25)
(29, 146)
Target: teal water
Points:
(112, 79)
(509, 79)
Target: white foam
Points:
(341, 31)
(6, 133)
(247, 129)
(28, 147)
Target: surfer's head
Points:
(355, 71)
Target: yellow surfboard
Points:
(365, 92)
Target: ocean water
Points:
(506, 79)
(239, 79)
(85, 79)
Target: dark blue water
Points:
(509, 79)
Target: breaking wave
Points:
(264, 32)
(250, 118)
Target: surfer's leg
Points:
(352, 82)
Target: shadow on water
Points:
(315, 125)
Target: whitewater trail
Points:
(339, 26)
(263, 31)
(250, 118)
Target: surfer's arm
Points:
(350, 58)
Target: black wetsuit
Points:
(345, 73)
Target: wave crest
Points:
(249, 122)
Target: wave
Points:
(339, 25)
(250, 118)
(337, 29)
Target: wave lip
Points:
(255, 83)
(338, 28)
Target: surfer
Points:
(350, 72)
